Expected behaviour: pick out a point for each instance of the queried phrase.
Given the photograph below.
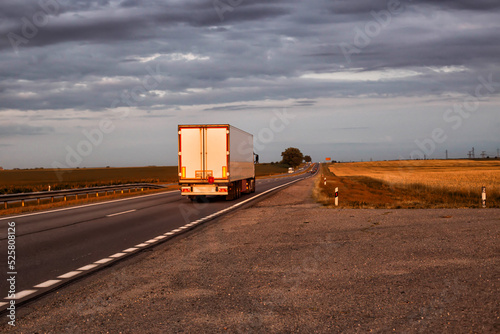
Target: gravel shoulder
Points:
(287, 264)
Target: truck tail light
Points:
(224, 171)
(186, 189)
(223, 189)
(183, 172)
(211, 179)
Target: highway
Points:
(57, 246)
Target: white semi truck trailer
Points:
(215, 159)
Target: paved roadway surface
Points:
(58, 242)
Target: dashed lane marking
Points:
(87, 205)
(48, 283)
(22, 294)
(121, 213)
(71, 274)
(105, 260)
(88, 267)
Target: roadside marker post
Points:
(483, 196)
(336, 196)
(324, 179)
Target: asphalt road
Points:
(57, 243)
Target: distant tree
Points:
(307, 158)
(292, 156)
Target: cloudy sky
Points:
(106, 82)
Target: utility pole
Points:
(473, 156)
(483, 154)
(469, 154)
(446, 154)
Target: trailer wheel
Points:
(230, 192)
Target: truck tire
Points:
(230, 192)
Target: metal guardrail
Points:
(23, 197)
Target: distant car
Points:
(290, 170)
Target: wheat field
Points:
(452, 175)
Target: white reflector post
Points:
(483, 196)
(336, 196)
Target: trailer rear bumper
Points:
(204, 189)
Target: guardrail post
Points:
(5, 204)
(97, 194)
(65, 198)
(22, 202)
(52, 199)
(38, 201)
(76, 196)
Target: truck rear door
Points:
(203, 153)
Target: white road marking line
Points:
(48, 283)
(69, 274)
(22, 294)
(88, 267)
(128, 250)
(120, 213)
(183, 227)
(141, 245)
(87, 205)
(105, 260)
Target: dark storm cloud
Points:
(91, 53)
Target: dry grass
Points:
(459, 175)
(412, 184)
